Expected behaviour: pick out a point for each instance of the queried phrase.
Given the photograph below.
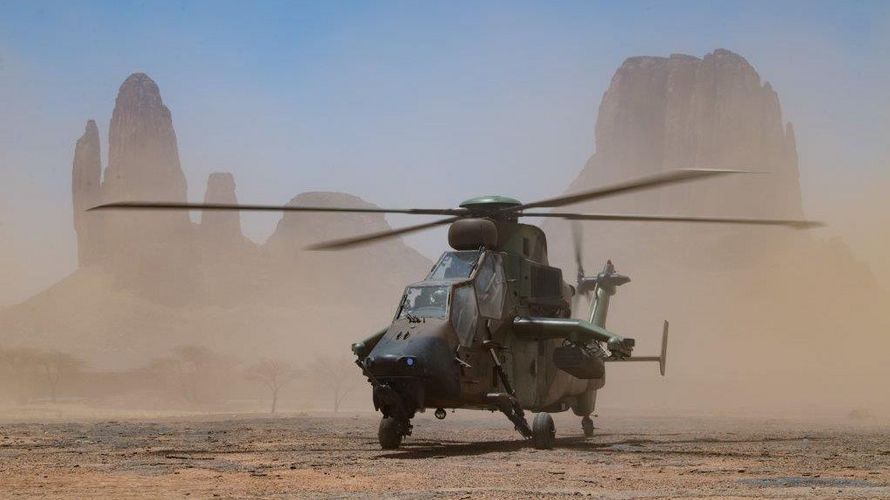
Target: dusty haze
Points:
(167, 313)
(762, 319)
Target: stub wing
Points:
(573, 330)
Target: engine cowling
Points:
(473, 233)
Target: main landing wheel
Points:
(543, 431)
(390, 433)
(587, 426)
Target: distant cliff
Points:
(152, 254)
(680, 111)
(752, 306)
(86, 177)
(151, 280)
(714, 112)
(162, 255)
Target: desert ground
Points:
(468, 455)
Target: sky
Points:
(406, 104)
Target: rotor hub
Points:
(490, 205)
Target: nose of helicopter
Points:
(419, 356)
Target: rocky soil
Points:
(469, 455)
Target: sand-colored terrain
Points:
(469, 455)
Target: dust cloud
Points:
(800, 330)
(763, 321)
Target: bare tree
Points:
(57, 366)
(337, 375)
(164, 375)
(24, 370)
(273, 374)
(190, 363)
(200, 372)
(18, 372)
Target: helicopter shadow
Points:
(442, 449)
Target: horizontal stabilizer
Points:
(662, 359)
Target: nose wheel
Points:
(391, 432)
(587, 426)
(543, 431)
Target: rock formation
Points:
(221, 225)
(148, 252)
(143, 157)
(165, 258)
(743, 297)
(353, 273)
(148, 281)
(663, 113)
(229, 262)
(680, 111)
(305, 228)
(86, 177)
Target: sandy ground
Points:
(468, 455)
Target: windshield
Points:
(464, 314)
(424, 302)
(454, 265)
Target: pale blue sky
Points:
(385, 99)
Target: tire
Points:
(587, 426)
(390, 433)
(543, 431)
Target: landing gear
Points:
(506, 401)
(391, 432)
(587, 426)
(543, 431)
(397, 407)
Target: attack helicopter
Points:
(491, 326)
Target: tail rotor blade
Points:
(577, 245)
(577, 241)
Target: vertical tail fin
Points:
(662, 360)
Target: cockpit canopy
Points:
(425, 301)
(463, 286)
(455, 265)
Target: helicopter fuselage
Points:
(452, 330)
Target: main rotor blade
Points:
(577, 238)
(343, 243)
(640, 184)
(153, 205)
(796, 224)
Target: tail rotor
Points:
(581, 285)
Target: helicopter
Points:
(491, 326)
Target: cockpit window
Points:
(454, 265)
(464, 314)
(425, 302)
(490, 285)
